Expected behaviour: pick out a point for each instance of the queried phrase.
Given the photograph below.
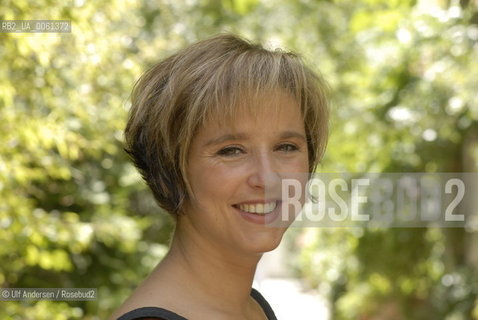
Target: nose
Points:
(264, 172)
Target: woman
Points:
(211, 130)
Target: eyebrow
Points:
(226, 137)
(242, 136)
(293, 134)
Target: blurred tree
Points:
(73, 210)
(412, 78)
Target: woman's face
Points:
(235, 169)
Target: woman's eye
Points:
(288, 147)
(230, 151)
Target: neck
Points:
(209, 270)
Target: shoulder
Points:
(145, 303)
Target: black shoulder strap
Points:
(264, 304)
(151, 312)
(155, 312)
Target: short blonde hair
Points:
(175, 97)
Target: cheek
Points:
(300, 165)
(213, 183)
(305, 163)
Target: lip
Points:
(266, 219)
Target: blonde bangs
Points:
(240, 82)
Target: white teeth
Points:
(260, 208)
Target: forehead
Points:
(272, 104)
(269, 116)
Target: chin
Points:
(265, 242)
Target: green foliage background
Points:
(74, 213)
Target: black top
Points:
(155, 312)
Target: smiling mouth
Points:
(257, 208)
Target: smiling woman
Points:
(210, 129)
